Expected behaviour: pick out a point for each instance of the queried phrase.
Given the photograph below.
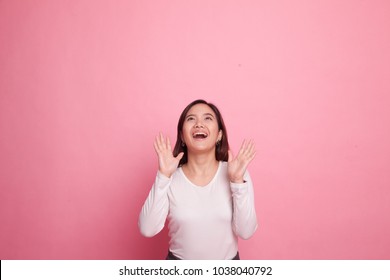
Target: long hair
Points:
(222, 148)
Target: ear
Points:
(220, 134)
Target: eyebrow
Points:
(205, 114)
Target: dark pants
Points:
(171, 256)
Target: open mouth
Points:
(199, 135)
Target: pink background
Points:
(86, 85)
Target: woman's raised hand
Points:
(167, 162)
(238, 165)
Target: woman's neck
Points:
(201, 164)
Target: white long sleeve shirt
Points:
(203, 222)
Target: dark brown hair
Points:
(222, 148)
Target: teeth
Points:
(200, 134)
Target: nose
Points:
(198, 124)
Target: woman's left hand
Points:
(238, 165)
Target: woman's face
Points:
(200, 129)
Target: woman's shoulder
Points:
(223, 168)
(224, 164)
(178, 172)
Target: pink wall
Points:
(86, 85)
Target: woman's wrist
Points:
(164, 173)
(237, 180)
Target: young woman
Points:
(204, 192)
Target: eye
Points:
(209, 118)
(190, 118)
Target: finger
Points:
(253, 148)
(251, 152)
(252, 156)
(162, 141)
(230, 156)
(155, 145)
(250, 148)
(157, 139)
(242, 148)
(168, 144)
(158, 142)
(247, 153)
(180, 156)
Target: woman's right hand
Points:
(166, 161)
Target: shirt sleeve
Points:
(244, 213)
(155, 209)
